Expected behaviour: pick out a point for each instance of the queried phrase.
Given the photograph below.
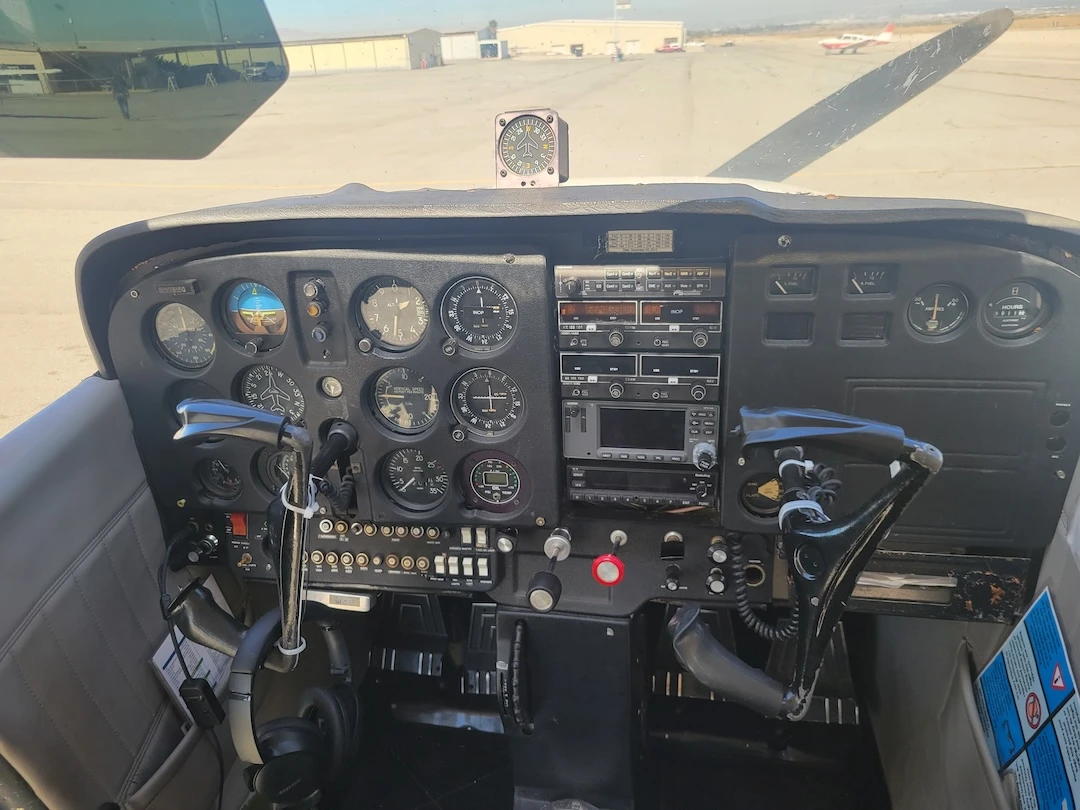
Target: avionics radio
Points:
(659, 325)
(646, 376)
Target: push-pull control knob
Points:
(714, 582)
(544, 587)
(718, 553)
(608, 569)
(672, 578)
(704, 456)
(616, 389)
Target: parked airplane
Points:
(850, 43)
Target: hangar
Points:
(388, 52)
(591, 37)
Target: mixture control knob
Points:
(607, 569)
(544, 591)
(704, 456)
(718, 553)
(701, 339)
(616, 389)
(615, 338)
(672, 580)
(573, 286)
(715, 582)
(698, 392)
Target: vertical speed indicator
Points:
(480, 314)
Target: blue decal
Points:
(1049, 651)
(1008, 736)
(1051, 785)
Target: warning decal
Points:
(1030, 713)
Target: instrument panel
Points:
(501, 392)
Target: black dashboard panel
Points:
(1000, 409)
(153, 385)
(999, 405)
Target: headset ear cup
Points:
(294, 751)
(322, 707)
(354, 711)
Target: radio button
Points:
(641, 457)
(669, 286)
(670, 273)
(611, 274)
(686, 285)
(605, 455)
(577, 484)
(627, 273)
(653, 286)
(702, 273)
(627, 286)
(653, 272)
(611, 286)
(695, 423)
(708, 432)
(686, 274)
(624, 456)
(702, 285)
(695, 432)
(678, 459)
(657, 458)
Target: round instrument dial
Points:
(480, 313)
(487, 401)
(393, 313)
(219, 479)
(1015, 309)
(271, 389)
(762, 495)
(405, 401)
(494, 481)
(255, 316)
(274, 468)
(413, 480)
(527, 145)
(184, 337)
(938, 309)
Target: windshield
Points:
(301, 98)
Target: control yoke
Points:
(221, 417)
(825, 557)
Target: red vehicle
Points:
(671, 47)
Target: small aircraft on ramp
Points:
(851, 43)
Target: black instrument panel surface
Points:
(999, 409)
(153, 385)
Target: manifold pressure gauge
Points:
(532, 149)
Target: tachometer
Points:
(184, 337)
(414, 480)
(480, 313)
(1015, 309)
(487, 401)
(273, 390)
(494, 481)
(274, 468)
(393, 313)
(405, 401)
(255, 316)
(938, 309)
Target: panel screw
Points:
(457, 434)
(364, 345)
(551, 119)
(784, 241)
(551, 170)
(814, 601)
(502, 122)
(509, 258)
(1061, 474)
(742, 462)
(134, 293)
(502, 172)
(540, 521)
(449, 348)
(181, 503)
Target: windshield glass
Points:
(303, 97)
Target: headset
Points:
(297, 755)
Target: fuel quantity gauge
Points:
(788, 281)
(871, 279)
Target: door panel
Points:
(83, 719)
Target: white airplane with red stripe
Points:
(850, 43)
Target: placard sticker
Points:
(1030, 713)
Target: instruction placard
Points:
(1030, 712)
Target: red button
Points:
(607, 569)
(238, 521)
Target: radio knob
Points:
(701, 339)
(616, 389)
(701, 490)
(573, 286)
(615, 338)
(698, 392)
(704, 456)
(656, 393)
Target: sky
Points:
(385, 16)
